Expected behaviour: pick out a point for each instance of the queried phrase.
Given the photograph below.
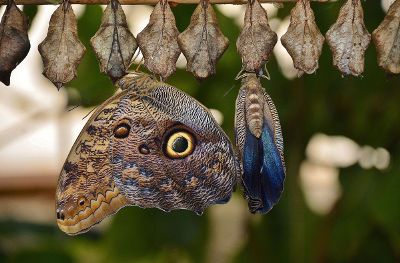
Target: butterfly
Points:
(260, 143)
(152, 146)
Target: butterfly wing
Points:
(150, 146)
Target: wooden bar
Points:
(143, 2)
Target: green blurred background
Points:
(362, 226)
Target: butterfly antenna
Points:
(140, 64)
(240, 75)
(72, 108)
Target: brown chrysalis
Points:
(61, 50)
(303, 40)
(159, 41)
(348, 39)
(202, 42)
(14, 42)
(387, 40)
(256, 41)
(113, 43)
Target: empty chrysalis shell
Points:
(256, 41)
(387, 40)
(113, 43)
(61, 50)
(348, 39)
(14, 42)
(159, 41)
(303, 40)
(203, 42)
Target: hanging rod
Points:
(144, 2)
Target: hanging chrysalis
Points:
(61, 50)
(113, 43)
(14, 42)
(260, 143)
(303, 40)
(348, 39)
(159, 41)
(387, 40)
(256, 41)
(202, 42)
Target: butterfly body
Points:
(150, 146)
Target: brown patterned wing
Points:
(86, 193)
(149, 146)
(152, 167)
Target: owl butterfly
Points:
(303, 40)
(151, 145)
(154, 146)
(260, 143)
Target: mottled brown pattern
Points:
(158, 41)
(86, 172)
(256, 41)
(14, 42)
(348, 39)
(203, 42)
(387, 40)
(99, 161)
(61, 50)
(113, 44)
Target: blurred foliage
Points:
(364, 225)
(30, 11)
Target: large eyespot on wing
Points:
(122, 129)
(262, 155)
(86, 193)
(176, 156)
